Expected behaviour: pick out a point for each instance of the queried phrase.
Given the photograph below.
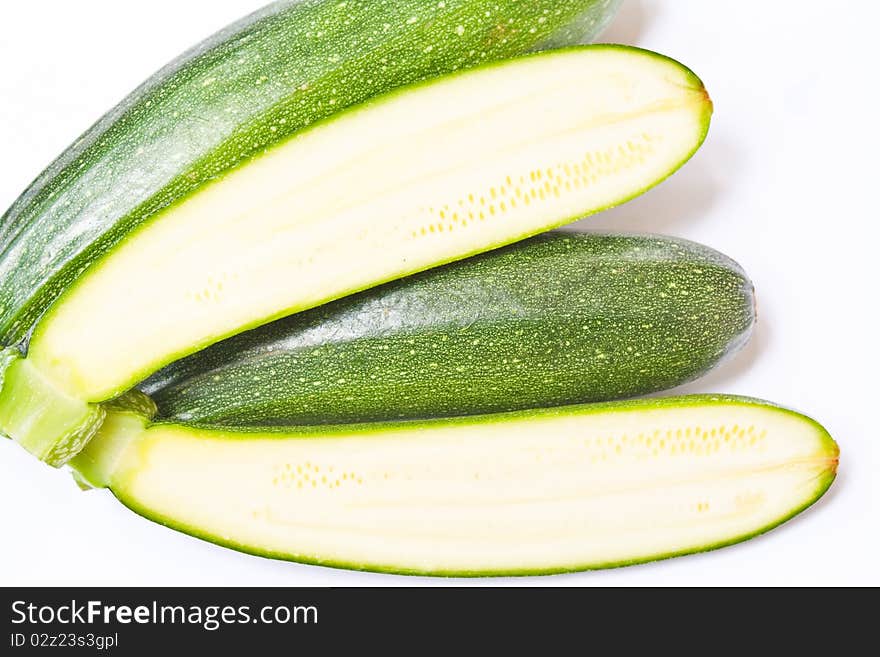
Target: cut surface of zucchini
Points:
(533, 492)
(236, 95)
(420, 177)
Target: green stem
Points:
(127, 418)
(48, 423)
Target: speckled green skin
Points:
(232, 97)
(558, 319)
(719, 403)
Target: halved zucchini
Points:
(417, 178)
(533, 492)
(233, 96)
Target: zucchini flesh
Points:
(230, 98)
(523, 493)
(557, 319)
(418, 178)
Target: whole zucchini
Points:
(228, 99)
(532, 492)
(557, 319)
(425, 175)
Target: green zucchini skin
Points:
(558, 319)
(232, 97)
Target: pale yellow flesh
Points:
(515, 496)
(415, 180)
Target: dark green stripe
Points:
(558, 319)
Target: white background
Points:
(785, 184)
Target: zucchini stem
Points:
(45, 421)
(126, 420)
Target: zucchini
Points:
(227, 100)
(557, 319)
(532, 492)
(423, 176)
